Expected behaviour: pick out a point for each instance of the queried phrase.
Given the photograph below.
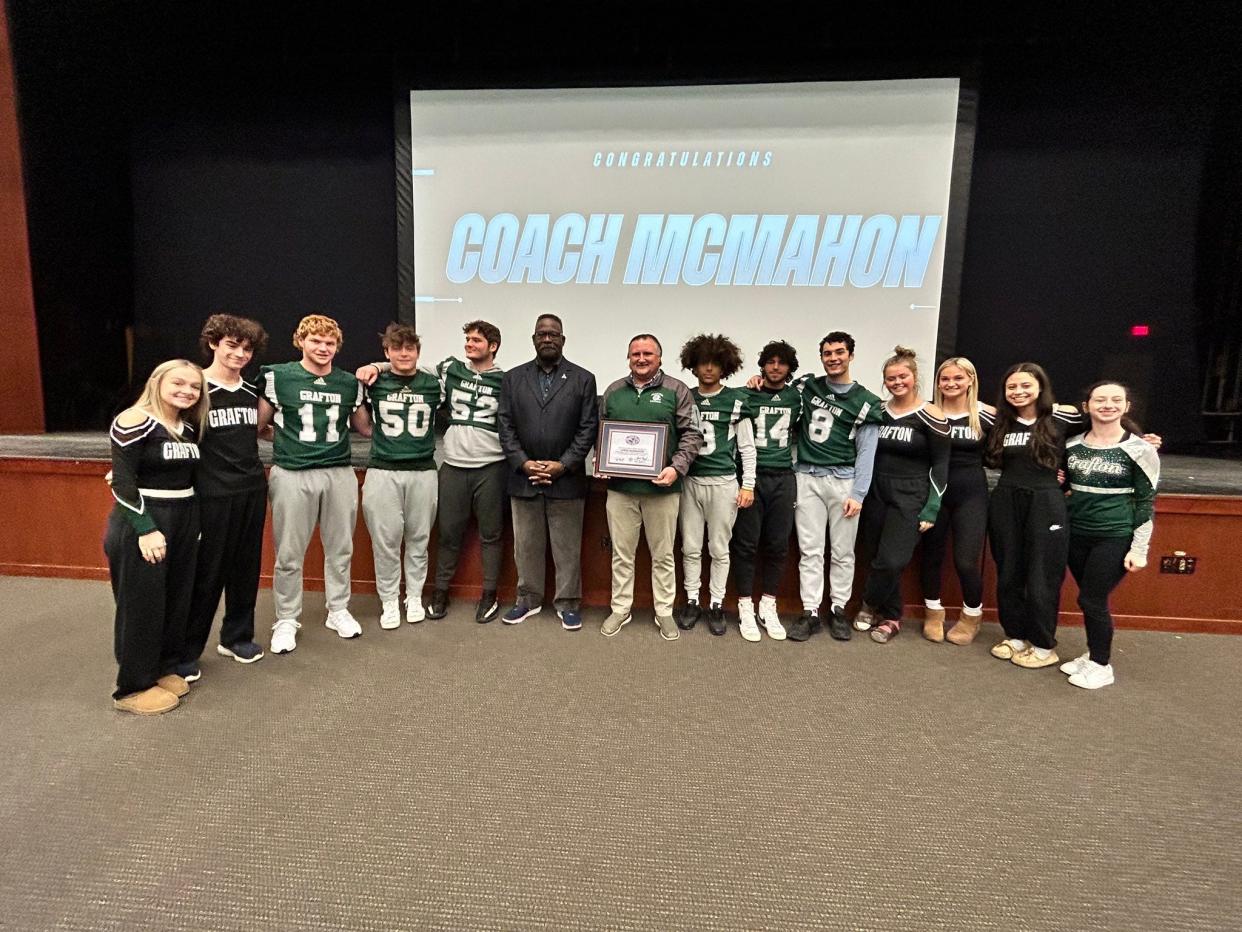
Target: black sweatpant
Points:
(1098, 565)
(229, 555)
(766, 524)
(964, 511)
(480, 490)
(1030, 543)
(890, 530)
(152, 599)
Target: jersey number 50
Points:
(393, 424)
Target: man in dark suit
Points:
(548, 420)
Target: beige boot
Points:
(151, 701)
(933, 624)
(174, 684)
(964, 631)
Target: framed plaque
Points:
(630, 449)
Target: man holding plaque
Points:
(548, 420)
(649, 436)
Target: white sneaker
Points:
(414, 611)
(746, 621)
(1077, 665)
(771, 621)
(343, 623)
(1093, 676)
(284, 636)
(390, 617)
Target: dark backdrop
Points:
(181, 161)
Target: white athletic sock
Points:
(1041, 652)
(933, 604)
(1017, 644)
(974, 610)
(767, 599)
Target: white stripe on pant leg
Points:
(811, 521)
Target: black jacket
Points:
(563, 427)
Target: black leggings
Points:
(1098, 565)
(964, 509)
(766, 524)
(890, 529)
(1030, 544)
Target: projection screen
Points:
(759, 211)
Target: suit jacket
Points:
(561, 427)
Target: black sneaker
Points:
(689, 616)
(488, 607)
(800, 630)
(716, 620)
(439, 604)
(838, 627)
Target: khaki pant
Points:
(656, 516)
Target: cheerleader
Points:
(152, 536)
(964, 508)
(1112, 477)
(911, 471)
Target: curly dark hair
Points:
(779, 349)
(219, 326)
(712, 347)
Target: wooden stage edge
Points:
(56, 512)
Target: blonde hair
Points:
(903, 356)
(150, 403)
(972, 394)
(319, 326)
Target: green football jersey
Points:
(718, 416)
(403, 411)
(776, 416)
(473, 397)
(312, 414)
(831, 421)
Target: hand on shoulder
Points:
(934, 411)
(1067, 409)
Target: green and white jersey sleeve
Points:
(312, 414)
(403, 410)
(1113, 490)
(727, 433)
(473, 400)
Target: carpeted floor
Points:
(449, 775)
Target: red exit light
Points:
(1140, 330)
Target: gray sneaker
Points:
(668, 627)
(614, 623)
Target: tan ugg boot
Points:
(151, 701)
(174, 684)
(965, 630)
(933, 624)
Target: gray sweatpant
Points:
(536, 521)
(821, 523)
(302, 498)
(710, 500)
(400, 505)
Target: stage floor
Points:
(1184, 475)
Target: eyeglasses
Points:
(549, 335)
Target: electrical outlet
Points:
(1179, 564)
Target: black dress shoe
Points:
(488, 607)
(689, 616)
(439, 604)
(800, 630)
(716, 620)
(838, 627)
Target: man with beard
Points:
(547, 421)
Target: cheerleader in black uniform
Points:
(911, 469)
(964, 508)
(1027, 522)
(152, 536)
